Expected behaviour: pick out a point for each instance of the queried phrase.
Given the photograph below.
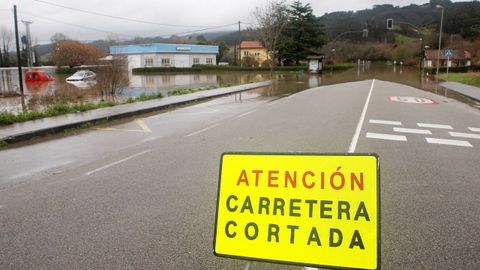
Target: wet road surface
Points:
(142, 194)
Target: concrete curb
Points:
(26, 130)
(464, 89)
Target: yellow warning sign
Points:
(306, 209)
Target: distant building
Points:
(166, 55)
(459, 59)
(253, 49)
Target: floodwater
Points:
(40, 95)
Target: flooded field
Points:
(41, 94)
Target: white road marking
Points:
(448, 142)
(384, 122)
(247, 266)
(426, 125)
(356, 135)
(412, 130)
(202, 130)
(474, 129)
(150, 139)
(245, 114)
(464, 135)
(390, 137)
(117, 162)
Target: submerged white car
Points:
(82, 75)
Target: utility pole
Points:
(29, 45)
(239, 40)
(439, 42)
(17, 41)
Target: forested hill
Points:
(460, 18)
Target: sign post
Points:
(305, 209)
(448, 53)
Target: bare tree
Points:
(112, 76)
(74, 53)
(6, 37)
(272, 20)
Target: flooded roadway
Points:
(40, 95)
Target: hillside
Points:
(458, 19)
(461, 18)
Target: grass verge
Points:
(8, 118)
(470, 78)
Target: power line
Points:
(200, 30)
(76, 25)
(118, 17)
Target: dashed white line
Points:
(117, 162)
(202, 130)
(356, 135)
(384, 122)
(383, 136)
(426, 125)
(245, 114)
(449, 142)
(464, 135)
(150, 139)
(412, 130)
(474, 129)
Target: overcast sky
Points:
(193, 14)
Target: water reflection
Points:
(39, 95)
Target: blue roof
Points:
(163, 48)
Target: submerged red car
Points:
(37, 76)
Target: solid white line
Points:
(412, 130)
(474, 129)
(356, 135)
(117, 162)
(464, 135)
(383, 122)
(426, 125)
(245, 114)
(390, 137)
(449, 142)
(202, 130)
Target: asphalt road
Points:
(142, 194)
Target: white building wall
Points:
(203, 59)
(170, 57)
(134, 61)
(182, 61)
(175, 60)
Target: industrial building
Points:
(166, 55)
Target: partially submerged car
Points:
(37, 76)
(82, 75)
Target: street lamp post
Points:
(331, 58)
(439, 41)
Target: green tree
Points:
(303, 35)
(222, 52)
